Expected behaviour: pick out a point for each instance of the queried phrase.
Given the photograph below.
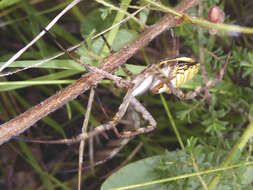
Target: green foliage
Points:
(175, 170)
(99, 19)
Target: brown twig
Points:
(24, 121)
(204, 74)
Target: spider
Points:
(165, 76)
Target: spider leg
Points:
(173, 90)
(119, 81)
(111, 124)
(101, 128)
(210, 83)
(177, 92)
(146, 115)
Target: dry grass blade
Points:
(49, 26)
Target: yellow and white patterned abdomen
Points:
(167, 74)
(180, 73)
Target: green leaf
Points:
(174, 170)
(137, 172)
(97, 20)
(7, 3)
(123, 38)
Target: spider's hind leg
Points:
(146, 115)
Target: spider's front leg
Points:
(177, 92)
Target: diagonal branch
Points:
(24, 121)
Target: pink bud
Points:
(216, 15)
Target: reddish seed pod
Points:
(216, 15)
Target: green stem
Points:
(174, 127)
(182, 177)
(203, 22)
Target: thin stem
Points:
(84, 130)
(172, 122)
(203, 22)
